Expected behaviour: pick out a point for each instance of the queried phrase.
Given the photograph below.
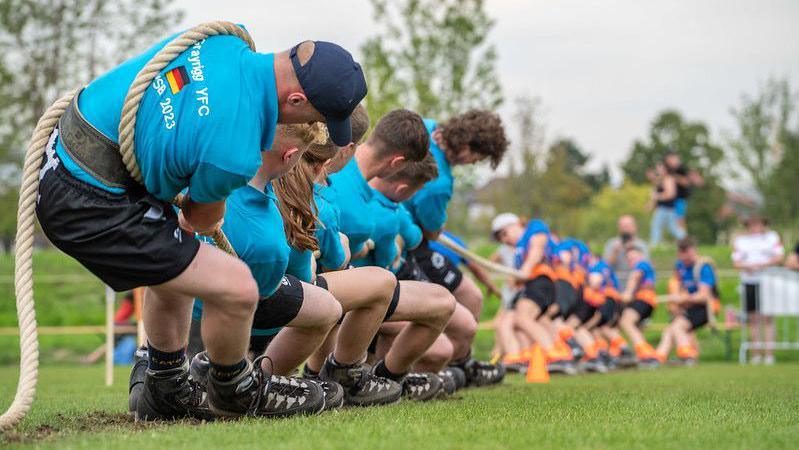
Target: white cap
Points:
(502, 221)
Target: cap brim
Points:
(340, 131)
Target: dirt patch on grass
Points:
(93, 422)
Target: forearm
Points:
(202, 217)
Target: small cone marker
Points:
(537, 370)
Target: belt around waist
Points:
(91, 149)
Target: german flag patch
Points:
(177, 78)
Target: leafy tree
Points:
(765, 148)
(431, 56)
(670, 131)
(576, 160)
(49, 47)
(597, 220)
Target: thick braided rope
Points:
(23, 271)
(489, 265)
(26, 214)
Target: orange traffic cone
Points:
(537, 369)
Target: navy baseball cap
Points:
(334, 84)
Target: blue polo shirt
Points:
(686, 276)
(428, 206)
(648, 275)
(299, 264)
(333, 255)
(201, 124)
(449, 254)
(352, 197)
(410, 232)
(534, 227)
(608, 276)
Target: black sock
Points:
(307, 372)
(223, 373)
(159, 360)
(382, 371)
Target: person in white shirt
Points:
(753, 251)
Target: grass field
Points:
(711, 406)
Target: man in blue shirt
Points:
(467, 138)
(202, 124)
(398, 138)
(695, 290)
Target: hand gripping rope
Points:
(23, 271)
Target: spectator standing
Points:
(755, 250)
(613, 253)
(664, 196)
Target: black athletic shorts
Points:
(127, 240)
(438, 268)
(752, 297)
(540, 290)
(566, 297)
(609, 313)
(280, 308)
(410, 271)
(696, 315)
(643, 309)
(584, 311)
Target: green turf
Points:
(711, 406)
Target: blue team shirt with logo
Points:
(352, 196)
(608, 275)
(332, 252)
(686, 276)
(534, 227)
(647, 275)
(449, 254)
(428, 206)
(201, 124)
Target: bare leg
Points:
(428, 307)
(628, 321)
(436, 357)
(754, 332)
(469, 295)
(461, 330)
(506, 333)
(228, 306)
(666, 341)
(303, 335)
(525, 314)
(365, 294)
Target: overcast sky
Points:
(603, 69)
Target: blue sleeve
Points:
(211, 184)
(706, 275)
(333, 255)
(431, 210)
(410, 232)
(385, 250)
